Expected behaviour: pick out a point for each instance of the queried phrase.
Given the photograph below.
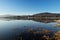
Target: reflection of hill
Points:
(37, 20)
(44, 21)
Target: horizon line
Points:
(32, 14)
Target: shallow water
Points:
(9, 29)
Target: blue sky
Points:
(26, 7)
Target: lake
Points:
(13, 29)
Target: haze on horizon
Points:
(28, 7)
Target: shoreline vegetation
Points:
(38, 34)
(46, 17)
(39, 16)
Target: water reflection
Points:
(31, 29)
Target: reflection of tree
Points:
(38, 19)
(41, 20)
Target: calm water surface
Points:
(9, 29)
